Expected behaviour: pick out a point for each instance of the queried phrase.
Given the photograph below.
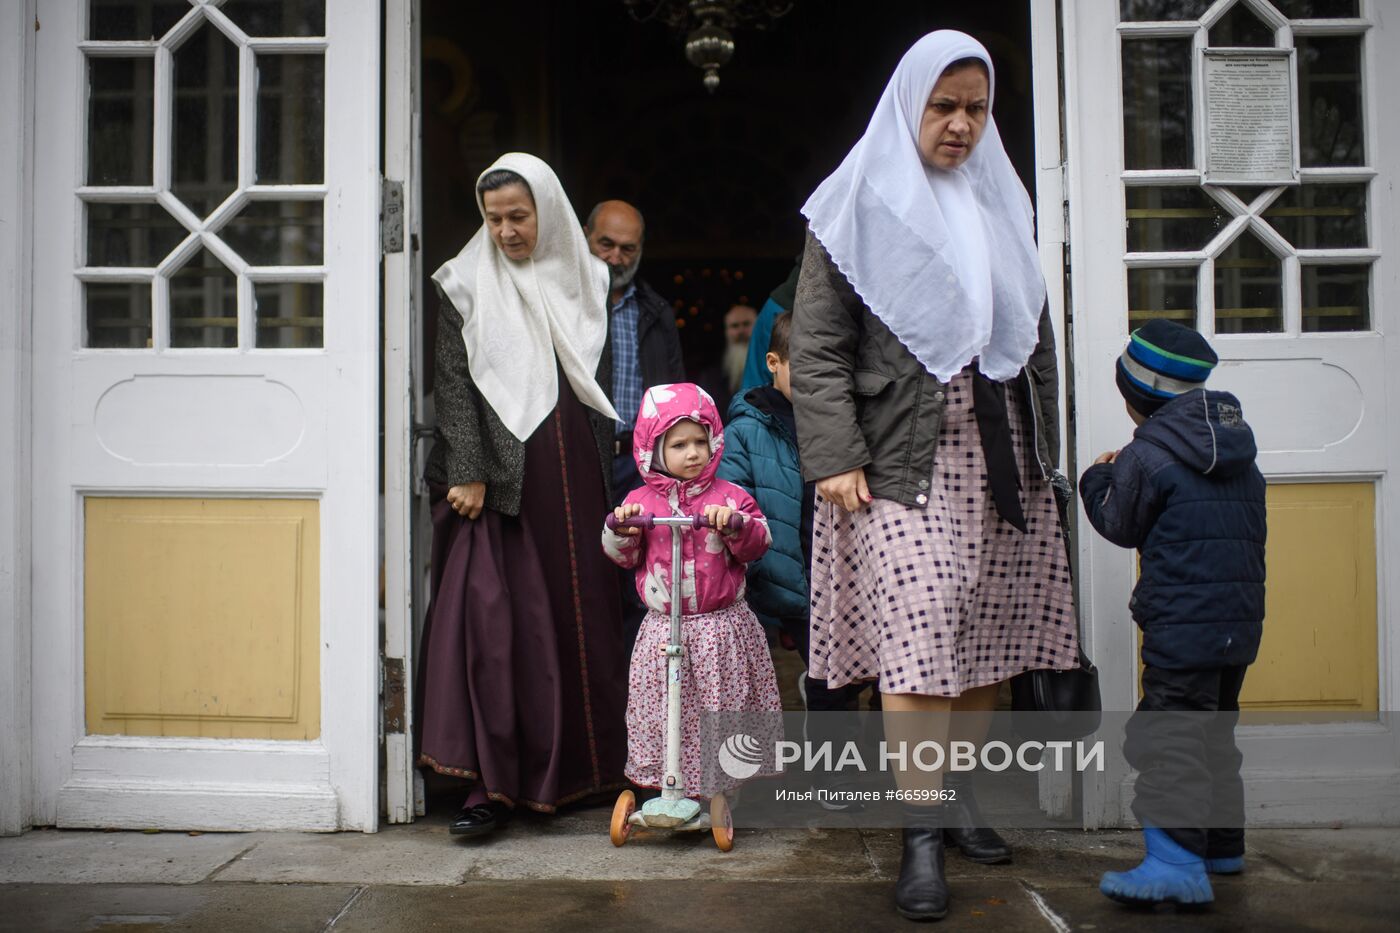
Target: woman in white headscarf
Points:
(523, 671)
(925, 387)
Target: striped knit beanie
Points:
(1163, 360)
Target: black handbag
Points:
(1058, 706)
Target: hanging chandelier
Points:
(709, 43)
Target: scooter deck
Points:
(700, 823)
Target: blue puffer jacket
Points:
(1187, 495)
(760, 454)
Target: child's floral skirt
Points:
(726, 667)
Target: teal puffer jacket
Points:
(760, 454)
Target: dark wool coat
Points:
(760, 455)
(863, 400)
(658, 341)
(471, 445)
(1187, 494)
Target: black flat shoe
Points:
(964, 829)
(480, 820)
(921, 893)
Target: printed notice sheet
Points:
(1250, 131)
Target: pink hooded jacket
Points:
(713, 563)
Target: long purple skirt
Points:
(524, 676)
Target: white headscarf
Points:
(947, 259)
(518, 317)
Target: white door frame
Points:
(324, 784)
(1288, 764)
(16, 218)
(1056, 788)
(1050, 184)
(402, 278)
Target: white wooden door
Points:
(1296, 285)
(206, 397)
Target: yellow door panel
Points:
(1319, 649)
(201, 617)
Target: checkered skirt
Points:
(941, 600)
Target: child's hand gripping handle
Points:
(733, 526)
(642, 522)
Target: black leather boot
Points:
(921, 893)
(965, 829)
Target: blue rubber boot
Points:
(1233, 865)
(1169, 874)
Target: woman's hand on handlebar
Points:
(847, 490)
(624, 512)
(718, 517)
(467, 499)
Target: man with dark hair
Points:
(646, 350)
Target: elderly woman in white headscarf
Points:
(523, 676)
(925, 387)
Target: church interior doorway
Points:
(612, 104)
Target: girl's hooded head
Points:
(664, 407)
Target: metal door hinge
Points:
(391, 216)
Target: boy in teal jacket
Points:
(760, 454)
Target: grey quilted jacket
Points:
(863, 400)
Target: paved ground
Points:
(564, 875)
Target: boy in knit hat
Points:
(1187, 495)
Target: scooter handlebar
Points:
(737, 520)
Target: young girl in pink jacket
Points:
(678, 441)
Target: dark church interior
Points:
(614, 106)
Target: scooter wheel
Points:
(622, 810)
(721, 823)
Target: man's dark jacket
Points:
(1187, 494)
(658, 341)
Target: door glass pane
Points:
(205, 130)
(133, 19)
(204, 304)
(1135, 10)
(278, 233)
(1157, 103)
(1171, 219)
(117, 314)
(1241, 27)
(1321, 216)
(291, 119)
(1248, 288)
(289, 314)
(1166, 293)
(278, 17)
(1329, 100)
(130, 234)
(1317, 9)
(1336, 298)
(120, 111)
